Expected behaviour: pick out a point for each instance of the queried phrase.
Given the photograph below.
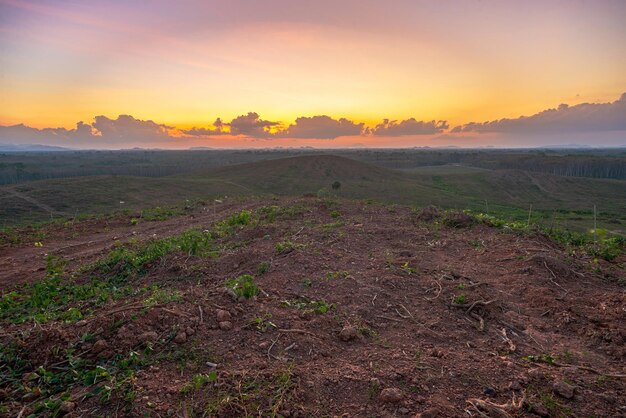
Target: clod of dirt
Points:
(148, 336)
(222, 315)
(428, 214)
(99, 346)
(226, 325)
(540, 410)
(348, 333)
(554, 265)
(563, 389)
(489, 391)
(391, 395)
(181, 337)
(66, 407)
(190, 331)
(429, 413)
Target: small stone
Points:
(226, 325)
(81, 323)
(348, 333)
(535, 374)
(222, 315)
(391, 395)
(190, 331)
(67, 406)
(264, 344)
(99, 346)
(180, 338)
(403, 411)
(563, 389)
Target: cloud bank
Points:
(583, 122)
(585, 117)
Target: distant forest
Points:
(16, 167)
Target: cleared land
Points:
(349, 308)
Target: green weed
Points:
(243, 286)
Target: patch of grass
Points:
(263, 268)
(243, 286)
(310, 305)
(160, 214)
(460, 299)
(272, 213)
(287, 246)
(373, 390)
(306, 283)
(263, 323)
(335, 214)
(541, 358)
(333, 225)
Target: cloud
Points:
(251, 125)
(218, 129)
(585, 117)
(126, 127)
(408, 127)
(321, 127)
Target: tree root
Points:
(493, 410)
(470, 307)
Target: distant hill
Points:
(30, 148)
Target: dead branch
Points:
(494, 410)
(438, 293)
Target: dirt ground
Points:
(364, 311)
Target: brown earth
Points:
(422, 318)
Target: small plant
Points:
(240, 218)
(263, 323)
(197, 381)
(461, 286)
(541, 358)
(418, 358)
(306, 283)
(460, 299)
(134, 221)
(334, 214)
(337, 275)
(243, 286)
(407, 269)
(373, 389)
(263, 268)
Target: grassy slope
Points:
(508, 192)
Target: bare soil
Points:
(423, 320)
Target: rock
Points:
(348, 333)
(99, 346)
(428, 214)
(222, 315)
(81, 323)
(489, 391)
(563, 389)
(429, 413)
(67, 406)
(226, 325)
(391, 395)
(190, 331)
(535, 374)
(403, 411)
(148, 336)
(180, 338)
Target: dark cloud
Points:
(321, 127)
(586, 117)
(251, 125)
(126, 127)
(409, 127)
(218, 129)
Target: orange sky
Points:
(186, 63)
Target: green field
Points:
(556, 200)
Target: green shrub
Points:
(243, 286)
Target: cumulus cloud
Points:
(251, 125)
(321, 127)
(585, 117)
(409, 127)
(126, 127)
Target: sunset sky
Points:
(312, 73)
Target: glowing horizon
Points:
(185, 65)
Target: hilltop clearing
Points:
(309, 307)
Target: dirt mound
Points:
(299, 308)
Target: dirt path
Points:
(35, 202)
